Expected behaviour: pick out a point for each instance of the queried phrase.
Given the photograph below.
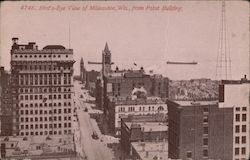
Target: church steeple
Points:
(106, 49)
(106, 60)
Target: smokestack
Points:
(15, 40)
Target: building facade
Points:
(122, 108)
(82, 72)
(143, 128)
(235, 95)
(42, 88)
(6, 108)
(199, 130)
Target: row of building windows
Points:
(43, 97)
(46, 126)
(31, 112)
(239, 108)
(45, 133)
(41, 119)
(243, 140)
(237, 151)
(204, 153)
(243, 129)
(39, 56)
(150, 108)
(44, 67)
(44, 89)
(45, 76)
(45, 82)
(243, 118)
(45, 104)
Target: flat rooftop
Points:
(38, 145)
(149, 126)
(151, 150)
(196, 103)
(139, 102)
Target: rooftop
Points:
(54, 47)
(148, 126)
(139, 102)
(18, 146)
(151, 150)
(195, 103)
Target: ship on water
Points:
(191, 63)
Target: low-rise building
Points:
(144, 128)
(139, 106)
(44, 147)
(149, 150)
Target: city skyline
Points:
(147, 38)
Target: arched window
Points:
(160, 108)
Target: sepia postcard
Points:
(125, 80)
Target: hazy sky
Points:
(149, 38)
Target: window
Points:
(243, 139)
(237, 128)
(244, 117)
(243, 150)
(189, 154)
(205, 141)
(237, 140)
(237, 118)
(244, 108)
(244, 128)
(205, 119)
(205, 110)
(205, 130)
(237, 108)
(236, 151)
(205, 153)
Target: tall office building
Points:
(42, 88)
(211, 130)
(5, 104)
(236, 95)
(82, 72)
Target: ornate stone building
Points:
(42, 88)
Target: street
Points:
(86, 146)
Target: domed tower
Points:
(106, 60)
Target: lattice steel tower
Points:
(223, 65)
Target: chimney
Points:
(15, 40)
